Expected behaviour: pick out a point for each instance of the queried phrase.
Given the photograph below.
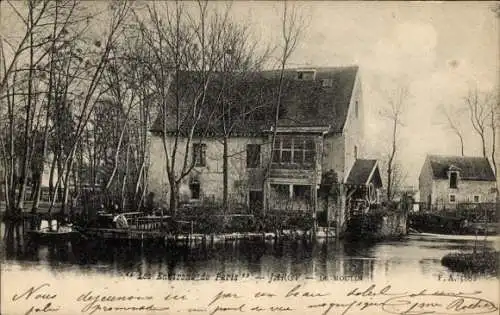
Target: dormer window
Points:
(306, 75)
(453, 180)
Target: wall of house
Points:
(464, 193)
(333, 154)
(339, 149)
(210, 176)
(425, 182)
(353, 128)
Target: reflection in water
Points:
(417, 256)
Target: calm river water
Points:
(416, 256)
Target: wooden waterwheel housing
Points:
(362, 186)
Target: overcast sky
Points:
(438, 50)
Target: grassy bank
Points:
(479, 262)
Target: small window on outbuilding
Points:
(476, 198)
(452, 198)
(453, 180)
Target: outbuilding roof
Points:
(363, 172)
(469, 168)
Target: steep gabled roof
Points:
(470, 168)
(363, 171)
(323, 101)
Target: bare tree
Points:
(494, 122)
(121, 125)
(83, 88)
(31, 15)
(45, 23)
(293, 25)
(184, 54)
(479, 106)
(51, 96)
(398, 177)
(393, 113)
(233, 98)
(453, 124)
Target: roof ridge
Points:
(457, 156)
(313, 67)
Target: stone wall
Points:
(464, 193)
(393, 225)
(210, 176)
(377, 225)
(425, 182)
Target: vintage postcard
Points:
(249, 157)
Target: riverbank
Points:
(452, 224)
(479, 262)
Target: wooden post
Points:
(314, 186)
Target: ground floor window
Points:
(452, 198)
(281, 189)
(194, 187)
(302, 192)
(290, 197)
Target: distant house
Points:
(446, 181)
(320, 129)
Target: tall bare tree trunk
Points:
(51, 176)
(117, 151)
(10, 193)
(26, 149)
(124, 196)
(174, 196)
(391, 161)
(36, 199)
(225, 166)
(137, 193)
(67, 181)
